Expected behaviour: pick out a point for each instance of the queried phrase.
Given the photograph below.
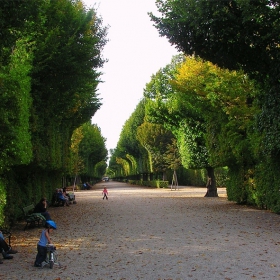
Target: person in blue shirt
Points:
(45, 239)
(63, 198)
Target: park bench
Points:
(32, 219)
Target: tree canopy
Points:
(209, 110)
(231, 34)
(236, 35)
(50, 63)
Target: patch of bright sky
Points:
(135, 51)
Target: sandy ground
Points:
(142, 233)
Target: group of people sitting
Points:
(61, 197)
(40, 207)
(5, 249)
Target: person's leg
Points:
(46, 215)
(1, 249)
(4, 245)
(6, 249)
(41, 255)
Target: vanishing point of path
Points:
(153, 234)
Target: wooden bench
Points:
(32, 219)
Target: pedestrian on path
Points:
(105, 193)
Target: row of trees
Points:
(50, 56)
(143, 149)
(238, 35)
(223, 113)
(193, 114)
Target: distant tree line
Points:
(50, 56)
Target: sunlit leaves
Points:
(92, 149)
(128, 147)
(225, 101)
(155, 138)
(15, 107)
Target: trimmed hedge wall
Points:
(153, 184)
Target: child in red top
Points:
(105, 193)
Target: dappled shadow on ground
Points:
(144, 233)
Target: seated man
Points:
(5, 249)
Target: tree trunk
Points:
(211, 183)
(164, 176)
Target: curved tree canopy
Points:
(236, 35)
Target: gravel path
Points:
(153, 234)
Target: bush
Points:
(153, 184)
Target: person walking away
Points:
(45, 239)
(105, 193)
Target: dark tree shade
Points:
(228, 33)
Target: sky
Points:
(135, 52)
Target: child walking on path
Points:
(105, 193)
(43, 242)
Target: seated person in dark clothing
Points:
(86, 186)
(5, 249)
(41, 207)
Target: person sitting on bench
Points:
(5, 249)
(41, 207)
(64, 199)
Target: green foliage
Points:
(172, 156)
(232, 34)
(92, 149)
(211, 112)
(128, 144)
(15, 108)
(155, 139)
(50, 58)
(130, 157)
(100, 169)
(153, 184)
(236, 190)
(191, 145)
(266, 184)
(64, 77)
(228, 33)
(76, 163)
(88, 153)
(2, 202)
(220, 105)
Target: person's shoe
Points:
(11, 251)
(37, 265)
(1, 262)
(43, 263)
(7, 256)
